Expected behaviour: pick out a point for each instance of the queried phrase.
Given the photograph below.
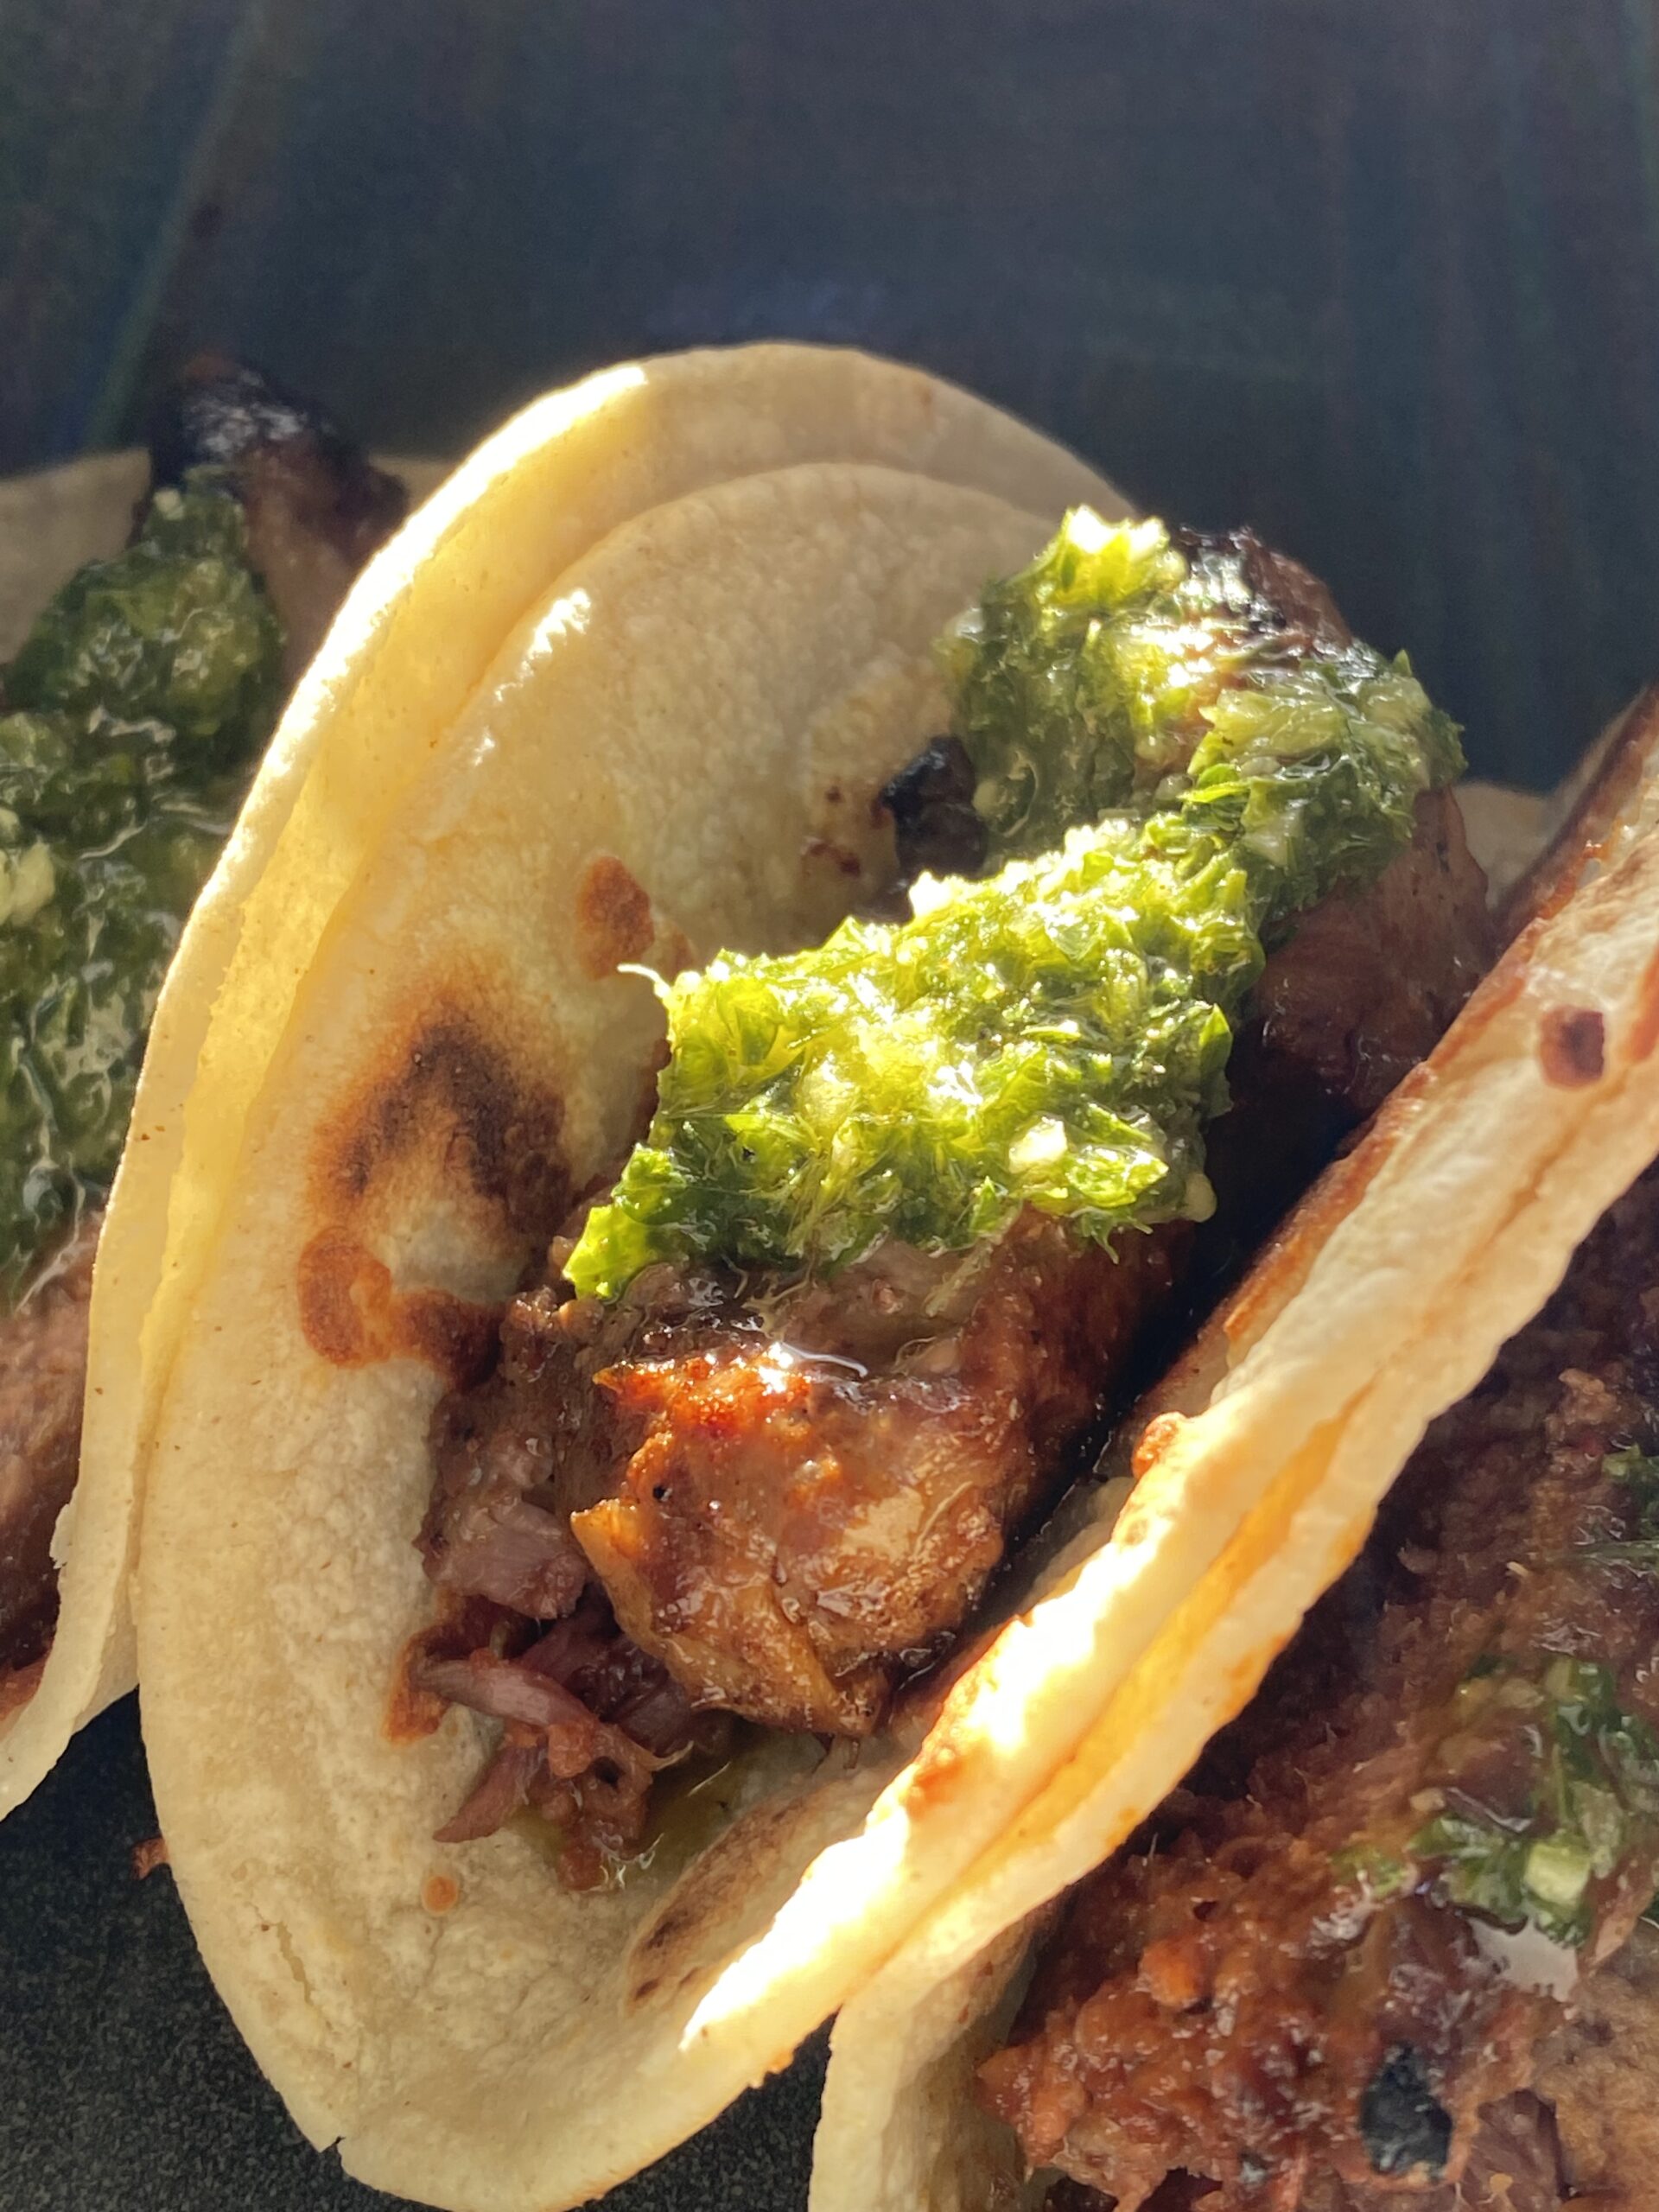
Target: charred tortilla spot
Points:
(353, 1317)
(614, 922)
(454, 1337)
(440, 1893)
(343, 1293)
(1571, 1046)
(451, 1088)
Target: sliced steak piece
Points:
(1329, 1968)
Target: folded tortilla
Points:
(1261, 1462)
(412, 644)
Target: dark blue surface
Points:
(1381, 276)
(1382, 279)
(123, 2087)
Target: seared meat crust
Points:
(1234, 1998)
(791, 1532)
(792, 1497)
(807, 1498)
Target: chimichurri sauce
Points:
(1167, 774)
(132, 718)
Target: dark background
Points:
(1380, 276)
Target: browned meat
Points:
(315, 507)
(1587, 2136)
(1362, 992)
(798, 1494)
(805, 1515)
(589, 1722)
(1292, 1986)
(794, 1497)
(1597, 2074)
(42, 1370)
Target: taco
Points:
(552, 1434)
(290, 512)
(1342, 1899)
(133, 708)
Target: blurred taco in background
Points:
(134, 708)
(554, 1433)
(1342, 1899)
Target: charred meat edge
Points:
(780, 1501)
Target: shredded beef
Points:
(589, 1721)
(1241, 1995)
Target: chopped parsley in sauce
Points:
(1580, 1804)
(129, 720)
(1167, 774)
(1594, 1803)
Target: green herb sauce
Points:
(134, 710)
(1590, 1771)
(1595, 1800)
(1167, 780)
(1640, 1472)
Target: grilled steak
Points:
(794, 1496)
(1362, 1950)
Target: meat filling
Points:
(42, 1371)
(316, 508)
(1364, 1947)
(793, 1496)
